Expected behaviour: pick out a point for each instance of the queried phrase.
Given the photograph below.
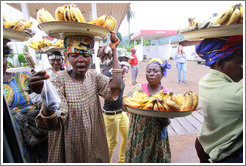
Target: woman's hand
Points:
(36, 82)
(114, 41)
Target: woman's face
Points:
(154, 74)
(80, 62)
(56, 64)
(234, 67)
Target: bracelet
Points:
(47, 117)
(116, 70)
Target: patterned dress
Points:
(81, 137)
(144, 142)
(34, 141)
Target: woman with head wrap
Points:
(33, 140)
(78, 135)
(220, 139)
(147, 140)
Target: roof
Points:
(153, 34)
(117, 10)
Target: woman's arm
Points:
(116, 81)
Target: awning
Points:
(117, 10)
(153, 34)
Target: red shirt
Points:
(134, 61)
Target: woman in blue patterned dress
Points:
(16, 92)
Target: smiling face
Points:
(154, 74)
(80, 62)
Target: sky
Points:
(156, 15)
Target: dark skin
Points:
(80, 63)
(56, 64)
(154, 76)
(231, 66)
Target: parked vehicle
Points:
(199, 60)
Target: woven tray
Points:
(228, 30)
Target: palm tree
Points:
(130, 15)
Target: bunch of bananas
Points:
(18, 24)
(162, 101)
(59, 43)
(43, 16)
(38, 44)
(69, 13)
(234, 15)
(106, 21)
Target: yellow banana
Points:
(148, 106)
(113, 21)
(137, 100)
(5, 21)
(135, 94)
(173, 105)
(130, 103)
(167, 107)
(180, 99)
(195, 100)
(48, 16)
(74, 15)
(223, 17)
(20, 25)
(99, 21)
(187, 103)
(234, 17)
(160, 105)
(59, 13)
(28, 24)
(41, 16)
(155, 106)
(80, 15)
(108, 23)
(192, 22)
(67, 15)
(241, 14)
(33, 46)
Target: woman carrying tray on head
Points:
(148, 140)
(78, 135)
(220, 139)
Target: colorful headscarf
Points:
(164, 65)
(79, 44)
(214, 49)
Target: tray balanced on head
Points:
(61, 29)
(227, 30)
(14, 35)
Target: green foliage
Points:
(10, 64)
(21, 59)
(25, 49)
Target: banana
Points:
(47, 14)
(192, 22)
(59, 13)
(130, 103)
(180, 99)
(5, 21)
(28, 24)
(195, 100)
(223, 17)
(187, 103)
(41, 16)
(108, 23)
(160, 105)
(113, 21)
(80, 15)
(173, 105)
(74, 15)
(241, 14)
(167, 107)
(20, 25)
(234, 17)
(67, 15)
(137, 100)
(135, 94)
(99, 21)
(149, 106)
(33, 46)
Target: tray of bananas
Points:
(227, 23)
(15, 35)
(162, 104)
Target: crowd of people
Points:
(85, 132)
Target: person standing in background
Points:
(134, 64)
(180, 61)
